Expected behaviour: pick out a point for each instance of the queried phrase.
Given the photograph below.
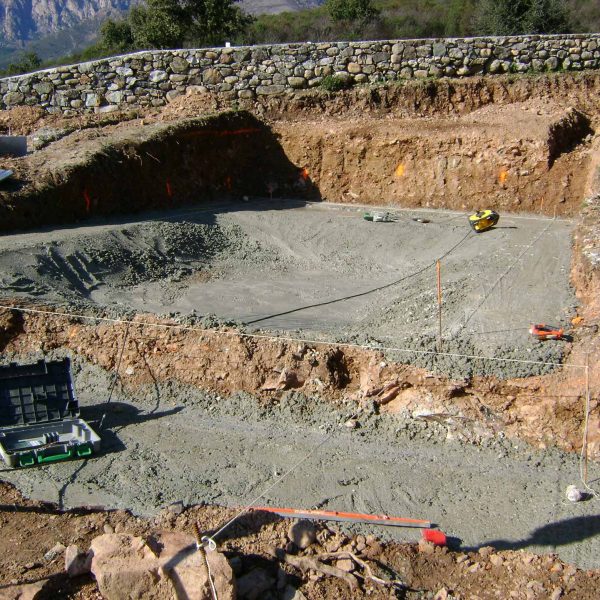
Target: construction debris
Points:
(379, 217)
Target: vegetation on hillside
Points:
(197, 23)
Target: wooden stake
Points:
(586, 418)
(439, 290)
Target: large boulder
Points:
(164, 567)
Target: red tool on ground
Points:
(435, 536)
(328, 515)
(542, 332)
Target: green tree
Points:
(548, 16)
(213, 22)
(27, 62)
(174, 24)
(362, 11)
(512, 17)
(116, 36)
(459, 18)
(159, 24)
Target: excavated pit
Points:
(205, 232)
(279, 262)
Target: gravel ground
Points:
(257, 264)
(172, 443)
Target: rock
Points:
(114, 97)
(302, 533)
(176, 508)
(126, 566)
(157, 76)
(92, 100)
(55, 551)
(573, 494)
(291, 593)
(270, 90)
(297, 82)
(253, 585)
(426, 547)
(351, 423)
(77, 562)
(441, 594)
(179, 65)
(13, 98)
(124, 71)
(27, 591)
(556, 593)
(485, 551)
(496, 560)
(108, 528)
(211, 77)
(345, 564)
(184, 567)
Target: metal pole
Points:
(586, 418)
(439, 289)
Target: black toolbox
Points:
(39, 415)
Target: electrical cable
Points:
(116, 377)
(360, 294)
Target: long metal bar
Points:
(327, 515)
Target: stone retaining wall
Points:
(152, 78)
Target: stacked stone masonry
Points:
(152, 78)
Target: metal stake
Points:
(439, 290)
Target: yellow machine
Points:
(483, 220)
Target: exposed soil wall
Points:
(154, 166)
(514, 159)
(546, 411)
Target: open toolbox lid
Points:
(41, 392)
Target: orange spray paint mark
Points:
(88, 201)
(224, 133)
(400, 170)
(169, 190)
(304, 174)
(502, 177)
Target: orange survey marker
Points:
(546, 332)
(328, 515)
